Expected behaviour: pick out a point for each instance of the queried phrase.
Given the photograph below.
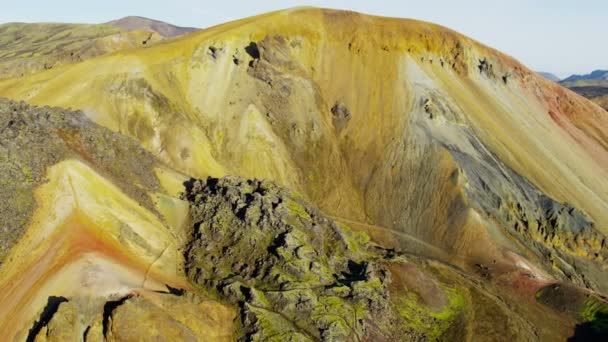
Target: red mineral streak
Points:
(67, 244)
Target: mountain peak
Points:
(594, 75)
(141, 23)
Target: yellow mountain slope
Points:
(30, 48)
(427, 140)
(90, 223)
(371, 118)
(89, 248)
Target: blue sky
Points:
(560, 36)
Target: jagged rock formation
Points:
(153, 316)
(295, 274)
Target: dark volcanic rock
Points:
(34, 138)
(292, 271)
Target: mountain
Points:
(140, 23)
(593, 86)
(597, 75)
(549, 76)
(597, 94)
(30, 48)
(307, 174)
(81, 252)
(602, 101)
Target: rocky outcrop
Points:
(170, 318)
(340, 115)
(293, 273)
(569, 244)
(35, 138)
(148, 316)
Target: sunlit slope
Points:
(597, 93)
(89, 243)
(84, 244)
(103, 229)
(30, 48)
(401, 124)
(33, 139)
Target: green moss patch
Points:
(34, 138)
(294, 273)
(433, 324)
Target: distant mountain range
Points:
(597, 75)
(594, 76)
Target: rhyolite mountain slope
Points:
(549, 76)
(597, 94)
(140, 23)
(27, 48)
(85, 228)
(593, 86)
(487, 182)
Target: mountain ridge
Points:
(600, 75)
(549, 76)
(30, 48)
(406, 130)
(164, 29)
(593, 86)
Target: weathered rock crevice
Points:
(108, 309)
(252, 50)
(49, 310)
